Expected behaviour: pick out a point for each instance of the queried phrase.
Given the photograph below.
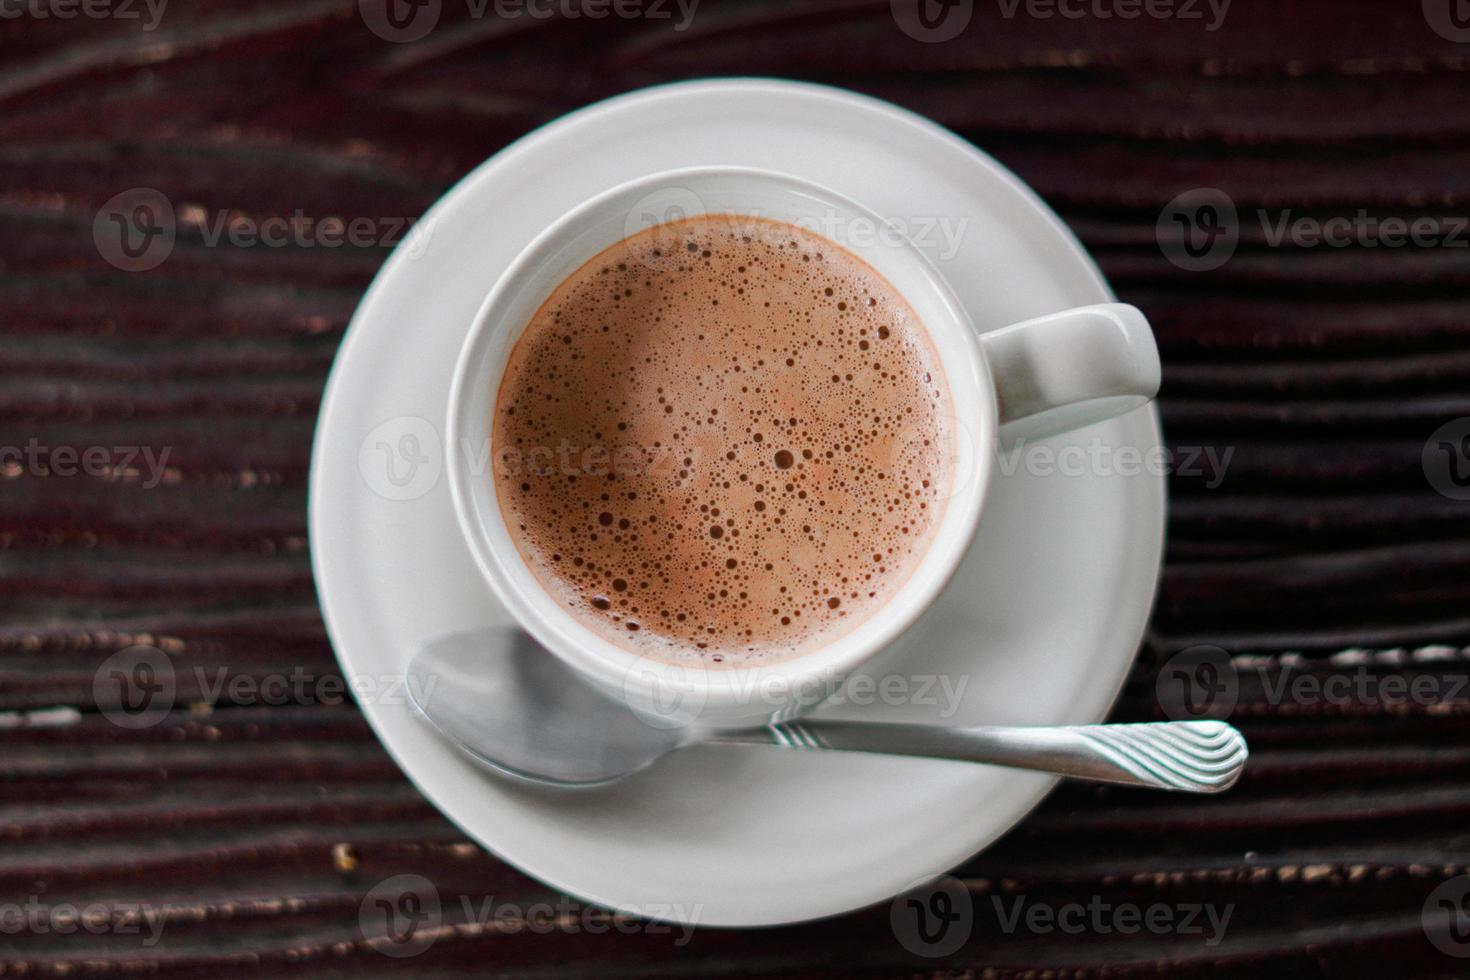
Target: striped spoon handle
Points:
(1184, 756)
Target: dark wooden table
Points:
(1335, 548)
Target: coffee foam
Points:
(719, 442)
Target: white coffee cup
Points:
(1030, 379)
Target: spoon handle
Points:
(1186, 756)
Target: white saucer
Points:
(1044, 617)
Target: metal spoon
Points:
(514, 707)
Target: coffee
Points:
(722, 442)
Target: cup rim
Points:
(576, 644)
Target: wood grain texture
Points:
(1321, 552)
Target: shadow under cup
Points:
(662, 692)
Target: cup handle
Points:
(1066, 370)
